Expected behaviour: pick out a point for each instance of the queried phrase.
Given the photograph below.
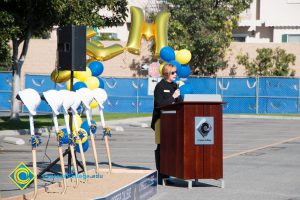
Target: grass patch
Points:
(46, 120)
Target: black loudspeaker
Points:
(71, 48)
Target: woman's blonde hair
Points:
(167, 69)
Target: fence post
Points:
(222, 87)
(257, 93)
(137, 96)
(298, 95)
(216, 84)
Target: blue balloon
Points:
(96, 68)
(186, 89)
(80, 109)
(65, 138)
(101, 85)
(167, 54)
(85, 126)
(184, 71)
(85, 146)
(79, 85)
(176, 64)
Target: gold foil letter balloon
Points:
(60, 76)
(139, 28)
(96, 49)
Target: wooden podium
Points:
(183, 154)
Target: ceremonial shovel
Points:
(87, 97)
(101, 96)
(31, 99)
(55, 101)
(67, 103)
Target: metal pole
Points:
(137, 96)
(257, 93)
(216, 85)
(298, 95)
(70, 124)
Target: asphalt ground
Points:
(261, 160)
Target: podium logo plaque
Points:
(204, 130)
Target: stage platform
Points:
(120, 184)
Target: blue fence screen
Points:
(243, 95)
(5, 91)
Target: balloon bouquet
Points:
(179, 59)
(158, 30)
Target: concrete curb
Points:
(143, 122)
(115, 125)
(229, 116)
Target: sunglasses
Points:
(174, 72)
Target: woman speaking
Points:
(166, 92)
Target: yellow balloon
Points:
(176, 52)
(60, 76)
(85, 135)
(79, 122)
(83, 75)
(183, 56)
(92, 82)
(68, 83)
(160, 68)
(140, 28)
(94, 104)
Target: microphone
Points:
(177, 84)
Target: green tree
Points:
(268, 62)
(5, 56)
(21, 20)
(205, 28)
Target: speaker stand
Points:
(48, 168)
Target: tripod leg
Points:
(74, 164)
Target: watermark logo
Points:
(80, 176)
(21, 176)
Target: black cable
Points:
(46, 155)
(45, 151)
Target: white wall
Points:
(279, 31)
(280, 12)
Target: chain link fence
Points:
(243, 95)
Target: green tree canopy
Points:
(22, 19)
(268, 62)
(205, 28)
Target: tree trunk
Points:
(16, 74)
(16, 85)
